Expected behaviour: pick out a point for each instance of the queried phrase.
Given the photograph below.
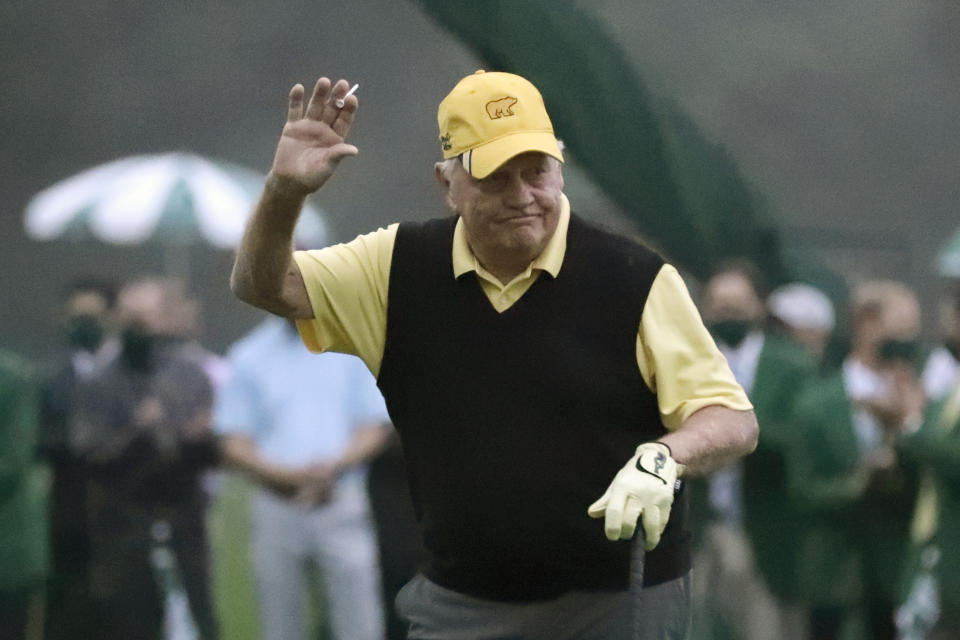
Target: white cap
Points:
(802, 307)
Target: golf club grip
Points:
(637, 559)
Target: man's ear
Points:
(440, 175)
(444, 182)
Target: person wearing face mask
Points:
(856, 493)
(142, 425)
(87, 347)
(745, 562)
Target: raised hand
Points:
(313, 140)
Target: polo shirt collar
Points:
(549, 260)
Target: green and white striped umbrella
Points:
(170, 198)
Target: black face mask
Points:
(908, 351)
(84, 332)
(730, 332)
(138, 348)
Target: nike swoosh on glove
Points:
(643, 488)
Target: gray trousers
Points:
(436, 612)
(339, 539)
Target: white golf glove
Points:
(642, 488)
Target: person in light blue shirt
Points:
(303, 427)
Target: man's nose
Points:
(518, 193)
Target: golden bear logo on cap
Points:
(493, 117)
(500, 108)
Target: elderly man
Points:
(524, 355)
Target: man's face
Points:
(901, 321)
(514, 210)
(87, 303)
(731, 307)
(86, 317)
(897, 333)
(731, 296)
(140, 308)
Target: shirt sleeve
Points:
(347, 286)
(678, 358)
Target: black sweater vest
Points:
(514, 423)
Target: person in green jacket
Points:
(23, 487)
(856, 494)
(935, 528)
(747, 564)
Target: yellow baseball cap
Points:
(489, 118)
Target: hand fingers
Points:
(598, 508)
(345, 117)
(295, 103)
(318, 99)
(631, 514)
(652, 527)
(323, 105)
(664, 510)
(340, 151)
(330, 110)
(613, 523)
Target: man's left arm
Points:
(712, 438)
(643, 490)
(709, 420)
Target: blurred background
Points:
(840, 120)
(819, 140)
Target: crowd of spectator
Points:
(840, 524)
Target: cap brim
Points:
(483, 160)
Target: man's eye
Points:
(494, 180)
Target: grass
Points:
(233, 582)
(234, 591)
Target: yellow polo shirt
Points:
(678, 359)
